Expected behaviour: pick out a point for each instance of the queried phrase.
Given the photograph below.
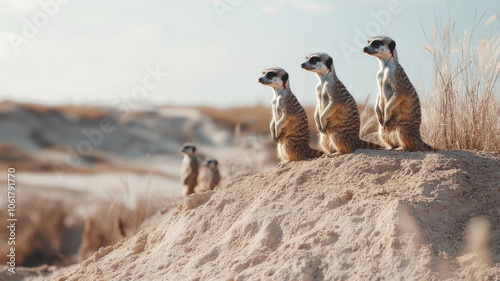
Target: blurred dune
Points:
(72, 203)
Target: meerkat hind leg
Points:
(408, 139)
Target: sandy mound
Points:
(364, 216)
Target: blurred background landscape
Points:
(96, 103)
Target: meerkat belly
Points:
(337, 119)
(293, 131)
(403, 111)
(319, 95)
(324, 100)
(185, 168)
(387, 92)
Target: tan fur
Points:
(336, 116)
(289, 126)
(398, 106)
(210, 177)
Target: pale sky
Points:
(98, 51)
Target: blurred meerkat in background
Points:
(210, 177)
(289, 127)
(398, 105)
(189, 169)
(336, 115)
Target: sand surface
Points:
(370, 215)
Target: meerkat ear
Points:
(284, 78)
(392, 46)
(329, 63)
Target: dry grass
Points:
(44, 232)
(369, 122)
(464, 110)
(121, 216)
(53, 231)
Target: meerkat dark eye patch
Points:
(270, 75)
(376, 43)
(313, 60)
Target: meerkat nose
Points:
(365, 49)
(260, 79)
(303, 65)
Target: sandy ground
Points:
(365, 216)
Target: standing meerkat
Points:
(336, 115)
(189, 170)
(289, 127)
(210, 178)
(398, 106)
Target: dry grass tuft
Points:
(43, 232)
(464, 110)
(120, 216)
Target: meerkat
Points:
(189, 170)
(211, 176)
(398, 106)
(336, 115)
(289, 127)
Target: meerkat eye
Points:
(314, 60)
(376, 43)
(270, 75)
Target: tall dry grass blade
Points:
(464, 109)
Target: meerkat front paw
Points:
(281, 165)
(335, 154)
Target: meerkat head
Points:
(318, 63)
(382, 47)
(211, 163)
(275, 78)
(188, 149)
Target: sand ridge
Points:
(363, 216)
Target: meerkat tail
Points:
(369, 145)
(314, 153)
(425, 147)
